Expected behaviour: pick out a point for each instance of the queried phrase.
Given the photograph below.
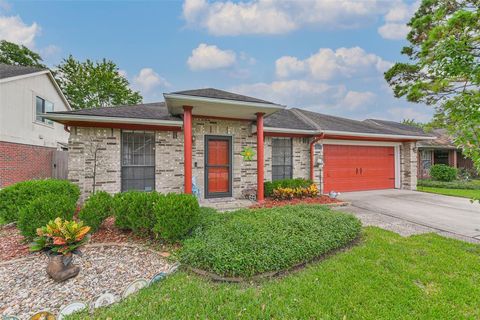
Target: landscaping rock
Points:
(25, 287)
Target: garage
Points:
(357, 168)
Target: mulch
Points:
(270, 203)
(13, 245)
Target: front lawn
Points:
(464, 193)
(384, 277)
(246, 242)
(456, 184)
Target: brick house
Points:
(196, 140)
(28, 140)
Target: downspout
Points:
(312, 154)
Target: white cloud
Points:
(327, 64)
(13, 29)
(206, 57)
(354, 100)
(278, 17)
(147, 80)
(395, 27)
(421, 113)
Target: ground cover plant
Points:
(464, 193)
(249, 242)
(386, 276)
(15, 197)
(457, 184)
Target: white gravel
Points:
(25, 287)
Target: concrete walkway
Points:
(412, 212)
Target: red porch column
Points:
(187, 148)
(260, 157)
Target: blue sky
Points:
(323, 55)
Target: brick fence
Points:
(19, 162)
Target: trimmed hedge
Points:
(134, 211)
(43, 209)
(96, 209)
(458, 184)
(15, 197)
(176, 215)
(269, 186)
(442, 172)
(249, 242)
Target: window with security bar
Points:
(138, 161)
(282, 158)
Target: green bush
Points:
(269, 186)
(442, 172)
(15, 197)
(43, 209)
(248, 242)
(134, 211)
(176, 215)
(96, 209)
(458, 184)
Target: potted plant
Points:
(60, 239)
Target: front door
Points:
(218, 166)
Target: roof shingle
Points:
(8, 71)
(220, 94)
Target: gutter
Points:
(102, 119)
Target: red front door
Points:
(218, 166)
(355, 168)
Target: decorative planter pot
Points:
(60, 267)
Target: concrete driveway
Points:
(443, 213)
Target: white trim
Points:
(75, 117)
(286, 130)
(223, 101)
(60, 92)
(24, 76)
(397, 168)
(361, 143)
(377, 135)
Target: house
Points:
(441, 151)
(28, 140)
(197, 139)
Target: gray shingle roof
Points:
(8, 71)
(157, 110)
(443, 141)
(288, 119)
(395, 125)
(220, 94)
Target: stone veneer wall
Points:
(244, 172)
(408, 165)
(82, 145)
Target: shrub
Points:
(176, 215)
(269, 186)
(15, 197)
(96, 209)
(299, 192)
(134, 211)
(248, 242)
(43, 209)
(442, 172)
(459, 184)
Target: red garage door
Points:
(355, 168)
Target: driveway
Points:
(444, 214)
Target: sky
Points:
(326, 56)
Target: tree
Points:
(14, 54)
(413, 123)
(444, 68)
(91, 84)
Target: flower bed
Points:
(271, 203)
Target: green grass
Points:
(464, 193)
(249, 242)
(2, 222)
(456, 184)
(384, 277)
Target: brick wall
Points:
(19, 162)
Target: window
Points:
(138, 161)
(281, 158)
(42, 106)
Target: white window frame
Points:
(47, 123)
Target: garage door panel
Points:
(355, 168)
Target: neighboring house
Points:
(201, 136)
(441, 151)
(27, 139)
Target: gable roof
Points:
(443, 141)
(156, 110)
(220, 94)
(9, 71)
